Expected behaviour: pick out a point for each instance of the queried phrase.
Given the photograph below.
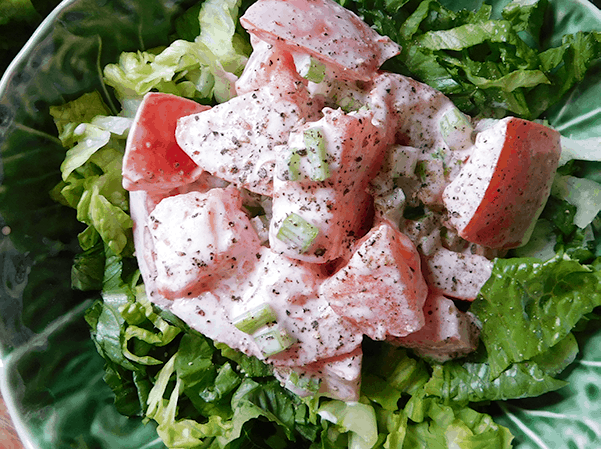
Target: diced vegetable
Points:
(297, 232)
(273, 339)
(456, 129)
(199, 238)
(254, 319)
(501, 190)
(380, 289)
(316, 153)
(321, 29)
(456, 275)
(309, 162)
(310, 68)
(153, 160)
(447, 333)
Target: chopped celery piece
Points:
(273, 339)
(392, 205)
(293, 169)
(316, 152)
(313, 70)
(306, 383)
(349, 104)
(297, 232)
(252, 320)
(456, 129)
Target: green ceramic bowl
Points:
(52, 375)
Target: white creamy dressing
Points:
(245, 129)
(353, 151)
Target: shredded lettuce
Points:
(202, 69)
(165, 372)
(483, 63)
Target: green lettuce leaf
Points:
(389, 372)
(485, 64)
(81, 110)
(434, 425)
(202, 68)
(470, 381)
(540, 307)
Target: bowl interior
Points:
(52, 374)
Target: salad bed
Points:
(152, 360)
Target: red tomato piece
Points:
(381, 289)
(324, 30)
(500, 192)
(456, 275)
(153, 160)
(447, 334)
(199, 238)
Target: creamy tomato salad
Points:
(328, 201)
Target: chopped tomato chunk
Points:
(381, 289)
(448, 332)
(153, 160)
(323, 29)
(501, 191)
(199, 238)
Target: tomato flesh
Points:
(153, 160)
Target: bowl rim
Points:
(31, 43)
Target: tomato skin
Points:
(153, 160)
(514, 188)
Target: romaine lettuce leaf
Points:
(434, 425)
(200, 393)
(540, 306)
(163, 371)
(483, 63)
(468, 381)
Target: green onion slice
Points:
(313, 70)
(293, 169)
(254, 319)
(273, 339)
(297, 232)
(316, 152)
(455, 128)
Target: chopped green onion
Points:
(254, 319)
(456, 129)
(313, 70)
(316, 152)
(302, 382)
(293, 172)
(273, 340)
(349, 104)
(297, 232)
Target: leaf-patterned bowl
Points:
(52, 375)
